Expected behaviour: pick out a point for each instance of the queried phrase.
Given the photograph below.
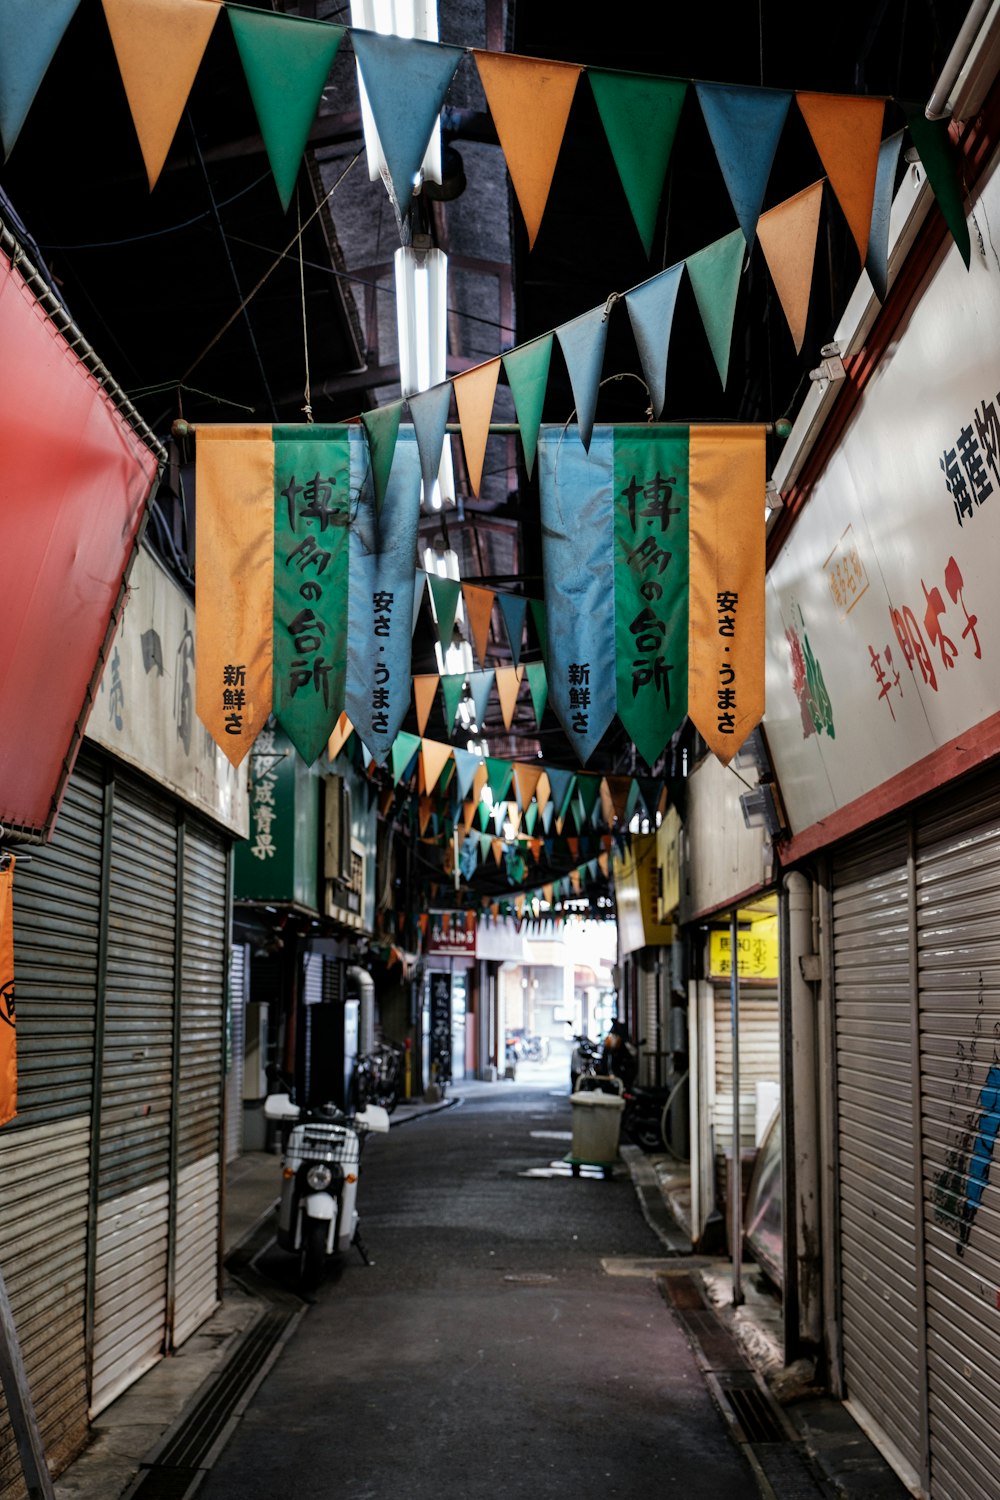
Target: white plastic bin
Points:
(597, 1120)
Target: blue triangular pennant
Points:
(31, 34)
(745, 125)
(429, 411)
(582, 341)
(651, 310)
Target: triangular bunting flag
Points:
(538, 687)
(562, 784)
(745, 125)
(404, 752)
(649, 791)
(651, 311)
(287, 61)
(582, 341)
(513, 608)
(588, 789)
(715, 278)
(537, 611)
(419, 585)
(467, 764)
(474, 393)
(938, 157)
(159, 46)
(847, 133)
(406, 81)
(429, 413)
(500, 773)
(433, 758)
(452, 688)
(615, 794)
(877, 259)
(526, 779)
(527, 371)
(480, 686)
(529, 100)
(787, 237)
(31, 34)
(508, 686)
(445, 593)
(425, 688)
(639, 114)
(382, 429)
(543, 792)
(478, 608)
(338, 739)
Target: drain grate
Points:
(753, 1410)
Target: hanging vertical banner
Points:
(312, 493)
(8, 1051)
(726, 632)
(234, 565)
(383, 553)
(577, 510)
(651, 582)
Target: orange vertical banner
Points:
(234, 562)
(726, 481)
(8, 1048)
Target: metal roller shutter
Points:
(760, 1059)
(649, 1024)
(958, 934)
(239, 970)
(133, 1188)
(877, 1142)
(204, 943)
(45, 1150)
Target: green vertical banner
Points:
(651, 583)
(311, 515)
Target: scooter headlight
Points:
(319, 1177)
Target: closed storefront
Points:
(915, 909)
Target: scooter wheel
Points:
(313, 1262)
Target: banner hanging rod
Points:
(182, 428)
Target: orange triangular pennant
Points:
(543, 791)
(159, 45)
(847, 132)
(341, 734)
(602, 863)
(433, 759)
(614, 798)
(479, 608)
(497, 846)
(474, 392)
(426, 807)
(526, 779)
(469, 812)
(535, 845)
(787, 236)
(508, 681)
(529, 100)
(425, 687)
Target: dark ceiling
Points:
(193, 294)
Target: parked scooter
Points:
(318, 1215)
(584, 1058)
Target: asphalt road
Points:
(494, 1348)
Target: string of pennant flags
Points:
(287, 62)
(653, 579)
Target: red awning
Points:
(74, 480)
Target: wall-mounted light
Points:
(762, 808)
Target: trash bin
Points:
(597, 1119)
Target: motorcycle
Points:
(321, 1157)
(584, 1058)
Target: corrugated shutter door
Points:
(133, 1182)
(238, 977)
(649, 1024)
(958, 925)
(45, 1150)
(877, 1139)
(760, 1059)
(204, 942)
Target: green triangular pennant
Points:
(588, 790)
(382, 428)
(287, 61)
(452, 687)
(445, 593)
(937, 154)
(536, 608)
(527, 369)
(405, 748)
(639, 115)
(538, 686)
(715, 278)
(500, 773)
(513, 608)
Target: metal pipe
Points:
(804, 1108)
(935, 108)
(736, 1185)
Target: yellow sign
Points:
(668, 857)
(756, 947)
(636, 896)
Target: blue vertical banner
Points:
(576, 488)
(383, 552)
